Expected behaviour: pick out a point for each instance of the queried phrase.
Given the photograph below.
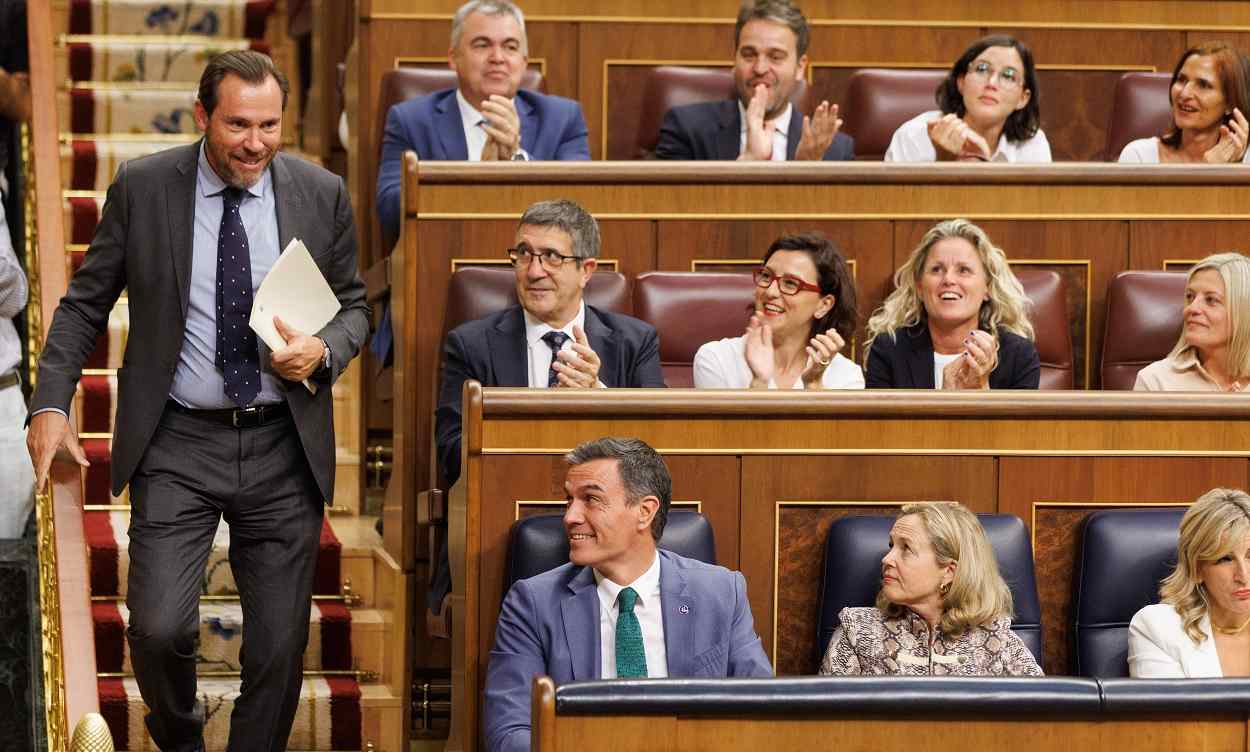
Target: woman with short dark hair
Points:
(988, 110)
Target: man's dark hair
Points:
(834, 277)
(778, 11)
(1023, 123)
(249, 65)
(568, 216)
(642, 470)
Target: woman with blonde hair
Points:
(943, 608)
(957, 319)
(1202, 627)
(1213, 352)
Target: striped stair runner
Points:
(131, 69)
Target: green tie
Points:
(631, 661)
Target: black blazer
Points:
(905, 361)
(712, 130)
(144, 244)
(491, 350)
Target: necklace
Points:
(1231, 630)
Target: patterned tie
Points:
(555, 340)
(631, 660)
(237, 353)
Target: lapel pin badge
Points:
(684, 609)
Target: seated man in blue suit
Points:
(620, 608)
(761, 124)
(486, 117)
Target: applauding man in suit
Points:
(620, 608)
(762, 123)
(488, 116)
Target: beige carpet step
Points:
(128, 58)
(210, 18)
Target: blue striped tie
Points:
(631, 659)
(555, 340)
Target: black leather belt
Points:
(247, 417)
(8, 379)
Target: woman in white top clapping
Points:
(1209, 96)
(989, 111)
(803, 316)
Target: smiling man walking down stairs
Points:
(210, 423)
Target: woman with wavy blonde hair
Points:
(957, 319)
(1202, 627)
(943, 608)
(1213, 352)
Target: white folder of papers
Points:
(295, 291)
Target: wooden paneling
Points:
(1043, 486)
(1153, 243)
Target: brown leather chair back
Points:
(688, 309)
(879, 100)
(478, 291)
(1144, 317)
(670, 86)
(1142, 108)
(1048, 293)
(399, 84)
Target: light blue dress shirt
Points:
(197, 382)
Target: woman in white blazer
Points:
(1202, 627)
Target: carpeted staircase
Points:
(130, 69)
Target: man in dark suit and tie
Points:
(553, 339)
(761, 124)
(210, 423)
(487, 117)
(621, 608)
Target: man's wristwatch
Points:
(325, 357)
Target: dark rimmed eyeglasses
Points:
(788, 284)
(551, 259)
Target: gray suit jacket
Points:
(143, 245)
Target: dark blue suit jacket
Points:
(551, 128)
(905, 361)
(549, 624)
(491, 350)
(712, 130)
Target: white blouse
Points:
(911, 143)
(1146, 151)
(723, 365)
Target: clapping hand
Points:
(503, 129)
(759, 352)
(759, 145)
(820, 352)
(956, 139)
(1232, 143)
(971, 370)
(577, 367)
(819, 130)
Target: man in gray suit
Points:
(210, 423)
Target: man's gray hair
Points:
(488, 8)
(783, 12)
(642, 470)
(567, 216)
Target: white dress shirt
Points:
(474, 134)
(723, 365)
(781, 133)
(650, 619)
(911, 143)
(539, 352)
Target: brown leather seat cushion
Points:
(1144, 316)
(689, 309)
(1047, 292)
(879, 100)
(1141, 109)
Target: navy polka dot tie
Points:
(555, 340)
(237, 353)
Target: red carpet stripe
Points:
(258, 12)
(114, 708)
(96, 486)
(80, 61)
(110, 637)
(102, 552)
(336, 636)
(97, 401)
(82, 174)
(327, 580)
(344, 713)
(85, 215)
